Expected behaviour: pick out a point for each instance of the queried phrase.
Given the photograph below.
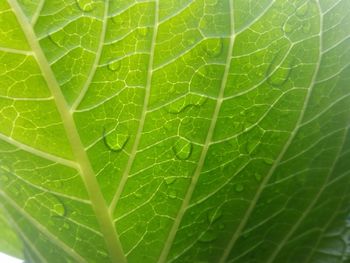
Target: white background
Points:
(8, 259)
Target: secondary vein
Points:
(44, 230)
(220, 99)
(143, 115)
(260, 189)
(96, 61)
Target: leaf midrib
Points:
(98, 203)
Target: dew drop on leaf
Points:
(214, 216)
(170, 180)
(168, 125)
(189, 41)
(268, 161)
(239, 188)
(212, 2)
(306, 27)
(186, 121)
(277, 75)
(257, 176)
(58, 184)
(115, 141)
(86, 5)
(250, 146)
(115, 65)
(66, 226)
(102, 254)
(16, 191)
(208, 236)
(181, 106)
(172, 194)
(182, 149)
(57, 38)
(213, 47)
(302, 10)
(287, 28)
(245, 235)
(143, 31)
(189, 234)
(59, 209)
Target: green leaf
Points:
(176, 131)
(9, 242)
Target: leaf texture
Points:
(176, 131)
(9, 242)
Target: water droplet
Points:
(214, 216)
(213, 47)
(250, 146)
(57, 38)
(269, 161)
(302, 10)
(257, 176)
(239, 188)
(306, 27)
(102, 254)
(143, 31)
(189, 102)
(170, 180)
(172, 194)
(277, 75)
(208, 236)
(212, 2)
(182, 149)
(115, 141)
(186, 120)
(189, 40)
(59, 209)
(288, 27)
(168, 125)
(189, 233)
(86, 5)
(59, 184)
(245, 235)
(66, 226)
(115, 65)
(280, 77)
(16, 190)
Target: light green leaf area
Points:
(9, 242)
(176, 130)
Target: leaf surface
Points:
(9, 242)
(176, 131)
